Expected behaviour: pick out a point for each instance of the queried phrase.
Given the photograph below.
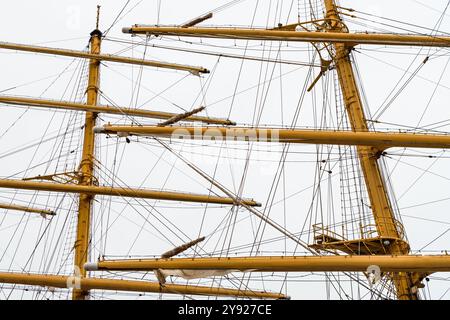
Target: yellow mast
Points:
(375, 142)
(67, 105)
(87, 166)
(121, 192)
(300, 36)
(387, 225)
(406, 283)
(57, 281)
(102, 57)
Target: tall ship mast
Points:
(276, 156)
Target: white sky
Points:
(67, 24)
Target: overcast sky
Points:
(420, 179)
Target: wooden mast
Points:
(336, 33)
(386, 224)
(296, 36)
(387, 227)
(378, 140)
(340, 263)
(103, 57)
